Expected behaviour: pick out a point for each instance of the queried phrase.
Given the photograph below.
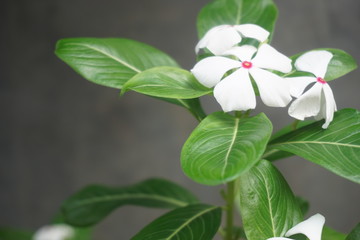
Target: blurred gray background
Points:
(60, 132)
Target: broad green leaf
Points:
(222, 147)
(331, 234)
(14, 234)
(93, 203)
(354, 234)
(110, 61)
(303, 204)
(276, 154)
(194, 222)
(336, 148)
(234, 12)
(267, 204)
(341, 63)
(292, 127)
(167, 82)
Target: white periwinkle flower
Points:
(319, 100)
(311, 228)
(234, 92)
(221, 38)
(54, 232)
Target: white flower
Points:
(221, 38)
(311, 228)
(54, 232)
(319, 100)
(235, 91)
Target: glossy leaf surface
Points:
(355, 233)
(331, 234)
(340, 64)
(336, 148)
(267, 204)
(234, 12)
(93, 203)
(276, 154)
(194, 222)
(167, 82)
(110, 61)
(222, 147)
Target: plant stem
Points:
(294, 124)
(230, 198)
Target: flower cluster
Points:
(237, 71)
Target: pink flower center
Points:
(321, 80)
(246, 64)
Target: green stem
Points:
(230, 199)
(294, 124)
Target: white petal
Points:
(210, 71)
(312, 227)
(315, 62)
(253, 31)
(274, 90)
(235, 92)
(298, 84)
(54, 232)
(205, 39)
(328, 106)
(244, 53)
(219, 39)
(308, 105)
(268, 57)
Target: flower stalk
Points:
(230, 199)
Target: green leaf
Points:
(336, 148)
(222, 147)
(14, 234)
(276, 154)
(354, 234)
(303, 204)
(93, 203)
(234, 12)
(267, 204)
(167, 82)
(331, 234)
(341, 63)
(110, 61)
(194, 222)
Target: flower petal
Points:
(235, 92)
(253, 31)
(274, 90)
(219, 39)
(244, 53)
(315, 62)
(210, 71)
(269, 58)
(54, 232)
(312, 227)
(308, 105)
(328, 106)
(298, 84)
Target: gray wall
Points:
(60, 132)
